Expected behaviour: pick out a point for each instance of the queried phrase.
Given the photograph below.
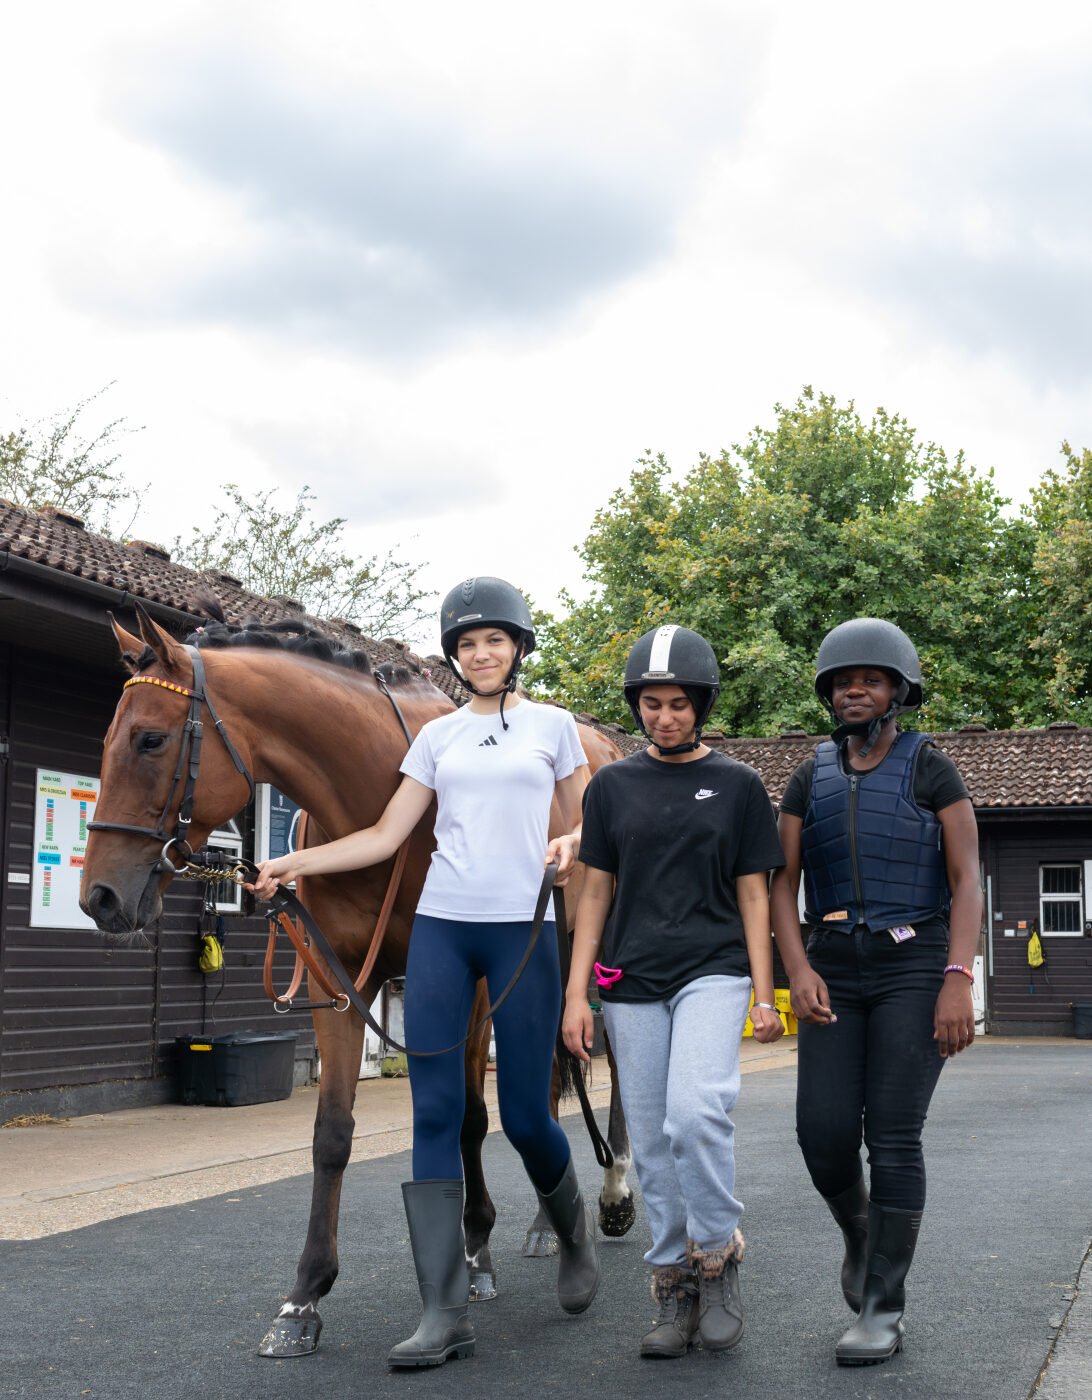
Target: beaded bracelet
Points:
(958, 967)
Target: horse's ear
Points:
(171, 653)
(131, 647)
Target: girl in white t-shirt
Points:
(494, 768)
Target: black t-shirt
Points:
(676, 837)
(937, 782)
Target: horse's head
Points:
(146, 763)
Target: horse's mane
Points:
(292, 635)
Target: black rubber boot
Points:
(720, 1303)
(434, 1210)
(675, 1293)
(877, 1334)
(578, 1265)
(850, 1210)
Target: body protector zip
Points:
(871, 854)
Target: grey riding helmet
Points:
(673, 655)
(870, 641)
(486, 602)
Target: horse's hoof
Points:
(483, 1285)
(293, 1334)
(617, 1218)
(539, 1244)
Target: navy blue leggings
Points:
(446, 958)
(873, 1072)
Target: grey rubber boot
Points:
(878, 1332)
(675, 1293)
(720, 1303)
(578, 1264)
(434, 1210)
(850, 1210)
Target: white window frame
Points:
(227, 840)
(1080, 898)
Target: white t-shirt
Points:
(493, 791)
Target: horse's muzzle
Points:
(121, 913)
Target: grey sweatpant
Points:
(678, 1072)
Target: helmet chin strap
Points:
(508, 688)
(868, 730)
(695, 743)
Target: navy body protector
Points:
(870, 853)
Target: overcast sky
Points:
(456, 266)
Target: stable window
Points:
(226, 895)
(1061, 899)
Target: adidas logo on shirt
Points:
(703, 793)
(487, 743)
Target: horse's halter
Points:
(192, 739)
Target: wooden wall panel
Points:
(75, 1009)
(1021, 1001)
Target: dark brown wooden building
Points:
(85, 1024)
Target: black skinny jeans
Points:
(873, 1072)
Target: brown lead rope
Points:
(288, 904)
(286, 1001)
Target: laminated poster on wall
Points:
(64, 803)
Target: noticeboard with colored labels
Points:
(64, 803)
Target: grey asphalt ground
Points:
(172, 1302)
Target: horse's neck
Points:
(328, 740)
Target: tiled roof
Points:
(1003, 769)
(146, 572)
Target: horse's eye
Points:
(151, 742)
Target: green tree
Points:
(1061, 514)
(50, 463)
(821, 517)
(285, 552)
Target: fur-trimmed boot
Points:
(434, 1210)
(850, 1210)
(878, 1332)
(675, 1293)
(578, 1264)
(720, 1304)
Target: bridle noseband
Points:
(193, 733)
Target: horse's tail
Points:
(570, 1070)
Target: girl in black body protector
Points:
(881, 826)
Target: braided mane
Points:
(293, 635)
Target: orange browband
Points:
(164, 685)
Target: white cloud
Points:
(455, 267)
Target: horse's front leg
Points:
(479, 1212)
(617, 1211)
(295, 1330)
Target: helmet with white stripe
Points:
(673, 655)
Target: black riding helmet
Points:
(673, 655)
(869, 641)
(486, 602)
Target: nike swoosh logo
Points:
(701, 796)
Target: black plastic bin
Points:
(238, 1068)
(1082, 1020)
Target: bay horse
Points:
(319, 727)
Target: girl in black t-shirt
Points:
(880, 825)
(677, 842)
